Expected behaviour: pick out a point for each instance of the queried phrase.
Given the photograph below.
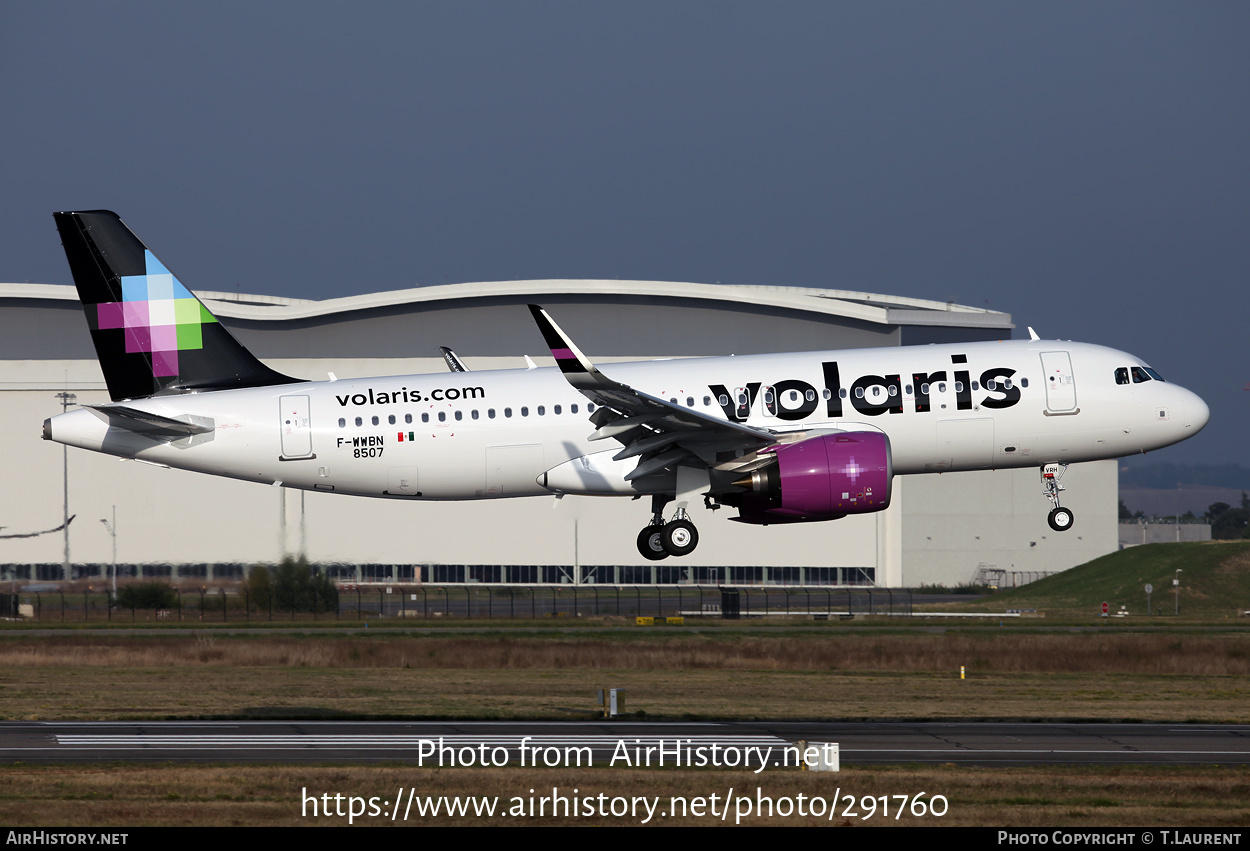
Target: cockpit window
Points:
(1121, 375)
(1139, 375)
(1153, 374)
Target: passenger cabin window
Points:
(541, 410)
(459, 416)
(425, 418)
(342, 423)
(408, 418)
(555, 409)
(442, 416)
(507, 412)
(359, 422)
(473, 414)
(573, 408)
(525, 412)
(375, 420)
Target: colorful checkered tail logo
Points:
(151, 334)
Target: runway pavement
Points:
(539, 743)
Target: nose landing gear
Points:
(1060, 518)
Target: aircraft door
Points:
(296, 423)
(1060, 382)
(742, 403)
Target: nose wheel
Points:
(1060, 518)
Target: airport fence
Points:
(476, 602)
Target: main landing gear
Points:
(659, 540)
(1060, 518)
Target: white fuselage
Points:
(474, 435)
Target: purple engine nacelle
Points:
(822, 478)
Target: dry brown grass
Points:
(1123, 676)
(1219, 655)
(132, 796)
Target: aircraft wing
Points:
(660, 433)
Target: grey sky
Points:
(1080, 165)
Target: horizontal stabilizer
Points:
(155, 425)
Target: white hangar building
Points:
(939, 529)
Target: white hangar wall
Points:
(940, 529)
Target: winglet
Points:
(571, 361)
(1033, 334)
(453, 361)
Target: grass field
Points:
(1067, 665)
(837, 674)
(1214, 577)
(197, 796)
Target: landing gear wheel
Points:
(680, 538)
(651, 543)
(1060, 519)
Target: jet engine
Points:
(821, 478)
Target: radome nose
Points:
(1196, 413)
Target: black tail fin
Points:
(151, 334)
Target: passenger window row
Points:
(458, 416)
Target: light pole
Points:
(67, 399)
(112, 530)
(1176, 584)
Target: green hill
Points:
(1215, 582)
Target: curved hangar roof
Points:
(615, 318)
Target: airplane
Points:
(781, 438)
